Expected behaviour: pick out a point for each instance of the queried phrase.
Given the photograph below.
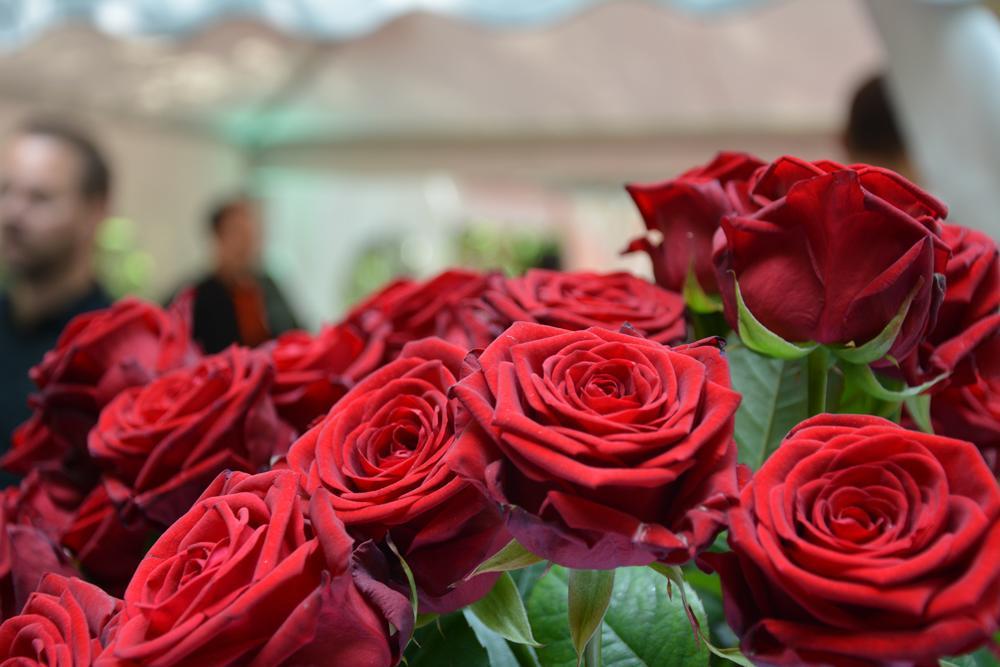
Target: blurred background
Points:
(385, 137)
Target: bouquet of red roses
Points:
(784, 452)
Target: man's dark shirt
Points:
(22, 348)
(216, 322)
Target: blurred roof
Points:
(626, 67)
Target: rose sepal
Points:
(762, 340)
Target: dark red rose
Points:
(98, 354)
(61, 625)
(686, 211)
(448, 306)
(859, 542)
(798, 265)
(577, 300)
(162, 443)
(26, 554)
(107, 542)
(33, 443)
(604, 449)
(47, 499)
(313, 372)
(972, 411)
(249, 576)
(380, 453)
(968, 318)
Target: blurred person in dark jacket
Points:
(238, 302)
(55, 186)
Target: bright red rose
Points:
(61, 625)
(859, 542)
(972, 411)
(603, 449)
(254, 574)
(577, 300)
(448, 306)
(686, 211)
(26, 554)
(797, 262)
(162, 443)
(380, 453)
(313, 372)
(968, 318)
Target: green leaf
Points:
(919, 408)
(774, 400)
(511, 557)
(731, 654)
(425, 619)
(763, 341)
(878, 346)
(502, 611)
(641, 627)
(981, 658)
(447, 642)
(696, 298)
(589, 597)
(864, 378)
(501, 653)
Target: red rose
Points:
(47, 499)
(107, 544)
(26, 554)
(972, 411)
(248, 577)
(60, 626)
(968, 317)
(98, 354)
(580, 300)
(859, 542)
(313, 372)
(604, 449)
(162, 443)
(797, 263)
(380, 453)
(686, 211)
(448, 306)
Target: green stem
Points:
(592, 652)
(817, 368)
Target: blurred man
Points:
(54, 190)
(873, 135)
(238, 303)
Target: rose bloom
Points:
(314, 372)
(604, 449)
(859, 542)
(578, 300)
(380, 453)
(26, 554)
(107, 541)
(254, 574)
(797, 263)
(99, 354)
(61, 625)
(686, 212)
(162, 443)
(448, 306)
(972, 411)
(968, 318)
